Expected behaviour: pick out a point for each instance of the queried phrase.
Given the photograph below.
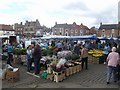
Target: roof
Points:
(63, 26)
(71, 26)
(84, 27)
(6, 27)
(108, 26)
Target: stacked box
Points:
(74, 69)
(67, 72)
(59, 76)
(70, 70)
(13, 76)
(50, 77)
(96, 60)
(63, 74)
(17, 59)
(78, 68)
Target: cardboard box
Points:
(13, 76)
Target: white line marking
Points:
(33, 74)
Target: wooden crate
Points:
(13, 76)
(78, 68)
(17, 59)
(74, 69)
(70, 70)
(67, 72)
(50, 77)
(59, 76)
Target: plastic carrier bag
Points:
(44, 75)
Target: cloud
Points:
(88, 12)
(77, 6)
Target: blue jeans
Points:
(111, 70)
(105, 57)
(29, 64)
(37, 66)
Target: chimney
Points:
(55, 23)
(21, 23)
(26, 21)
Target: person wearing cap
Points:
(112, 61)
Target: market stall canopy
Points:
(55, 37)
(61, 37)
(84, 37)
(69, 37)
(102, 38)
(105, 38)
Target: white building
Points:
(6, 30)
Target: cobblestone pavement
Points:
(94, 77)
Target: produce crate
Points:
(12, 76)
(4, 57)
(74, 69)
(96, 60)
(59, 76)
(78, 67)
(50, 77)
(71, 70)
(17, 59)
(67, 72)
(101, 60)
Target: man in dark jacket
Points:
(36, 57)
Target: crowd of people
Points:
(111, 54)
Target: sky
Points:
(89, 12)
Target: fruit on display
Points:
(97, 55)
(96, 52)
(90, 52)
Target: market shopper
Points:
(59, 45)
(37, 57)
(112, 60)
(77, 49)
(47, 45)
(10, 54)
(84, 56)
(53, 43)
(106, 52)
(29, 58)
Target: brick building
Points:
(19, 28)
(70, 29)
(28, 29)
(31, 28)
(109, 30)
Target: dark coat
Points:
(37, 53)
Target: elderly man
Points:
(112, 60)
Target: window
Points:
(60, 33)
(81, 31)
(113, 30)
(31, 29)
(103, 30)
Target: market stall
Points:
(96, 56)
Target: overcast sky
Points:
(88, 12)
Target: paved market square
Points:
(94, 77)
